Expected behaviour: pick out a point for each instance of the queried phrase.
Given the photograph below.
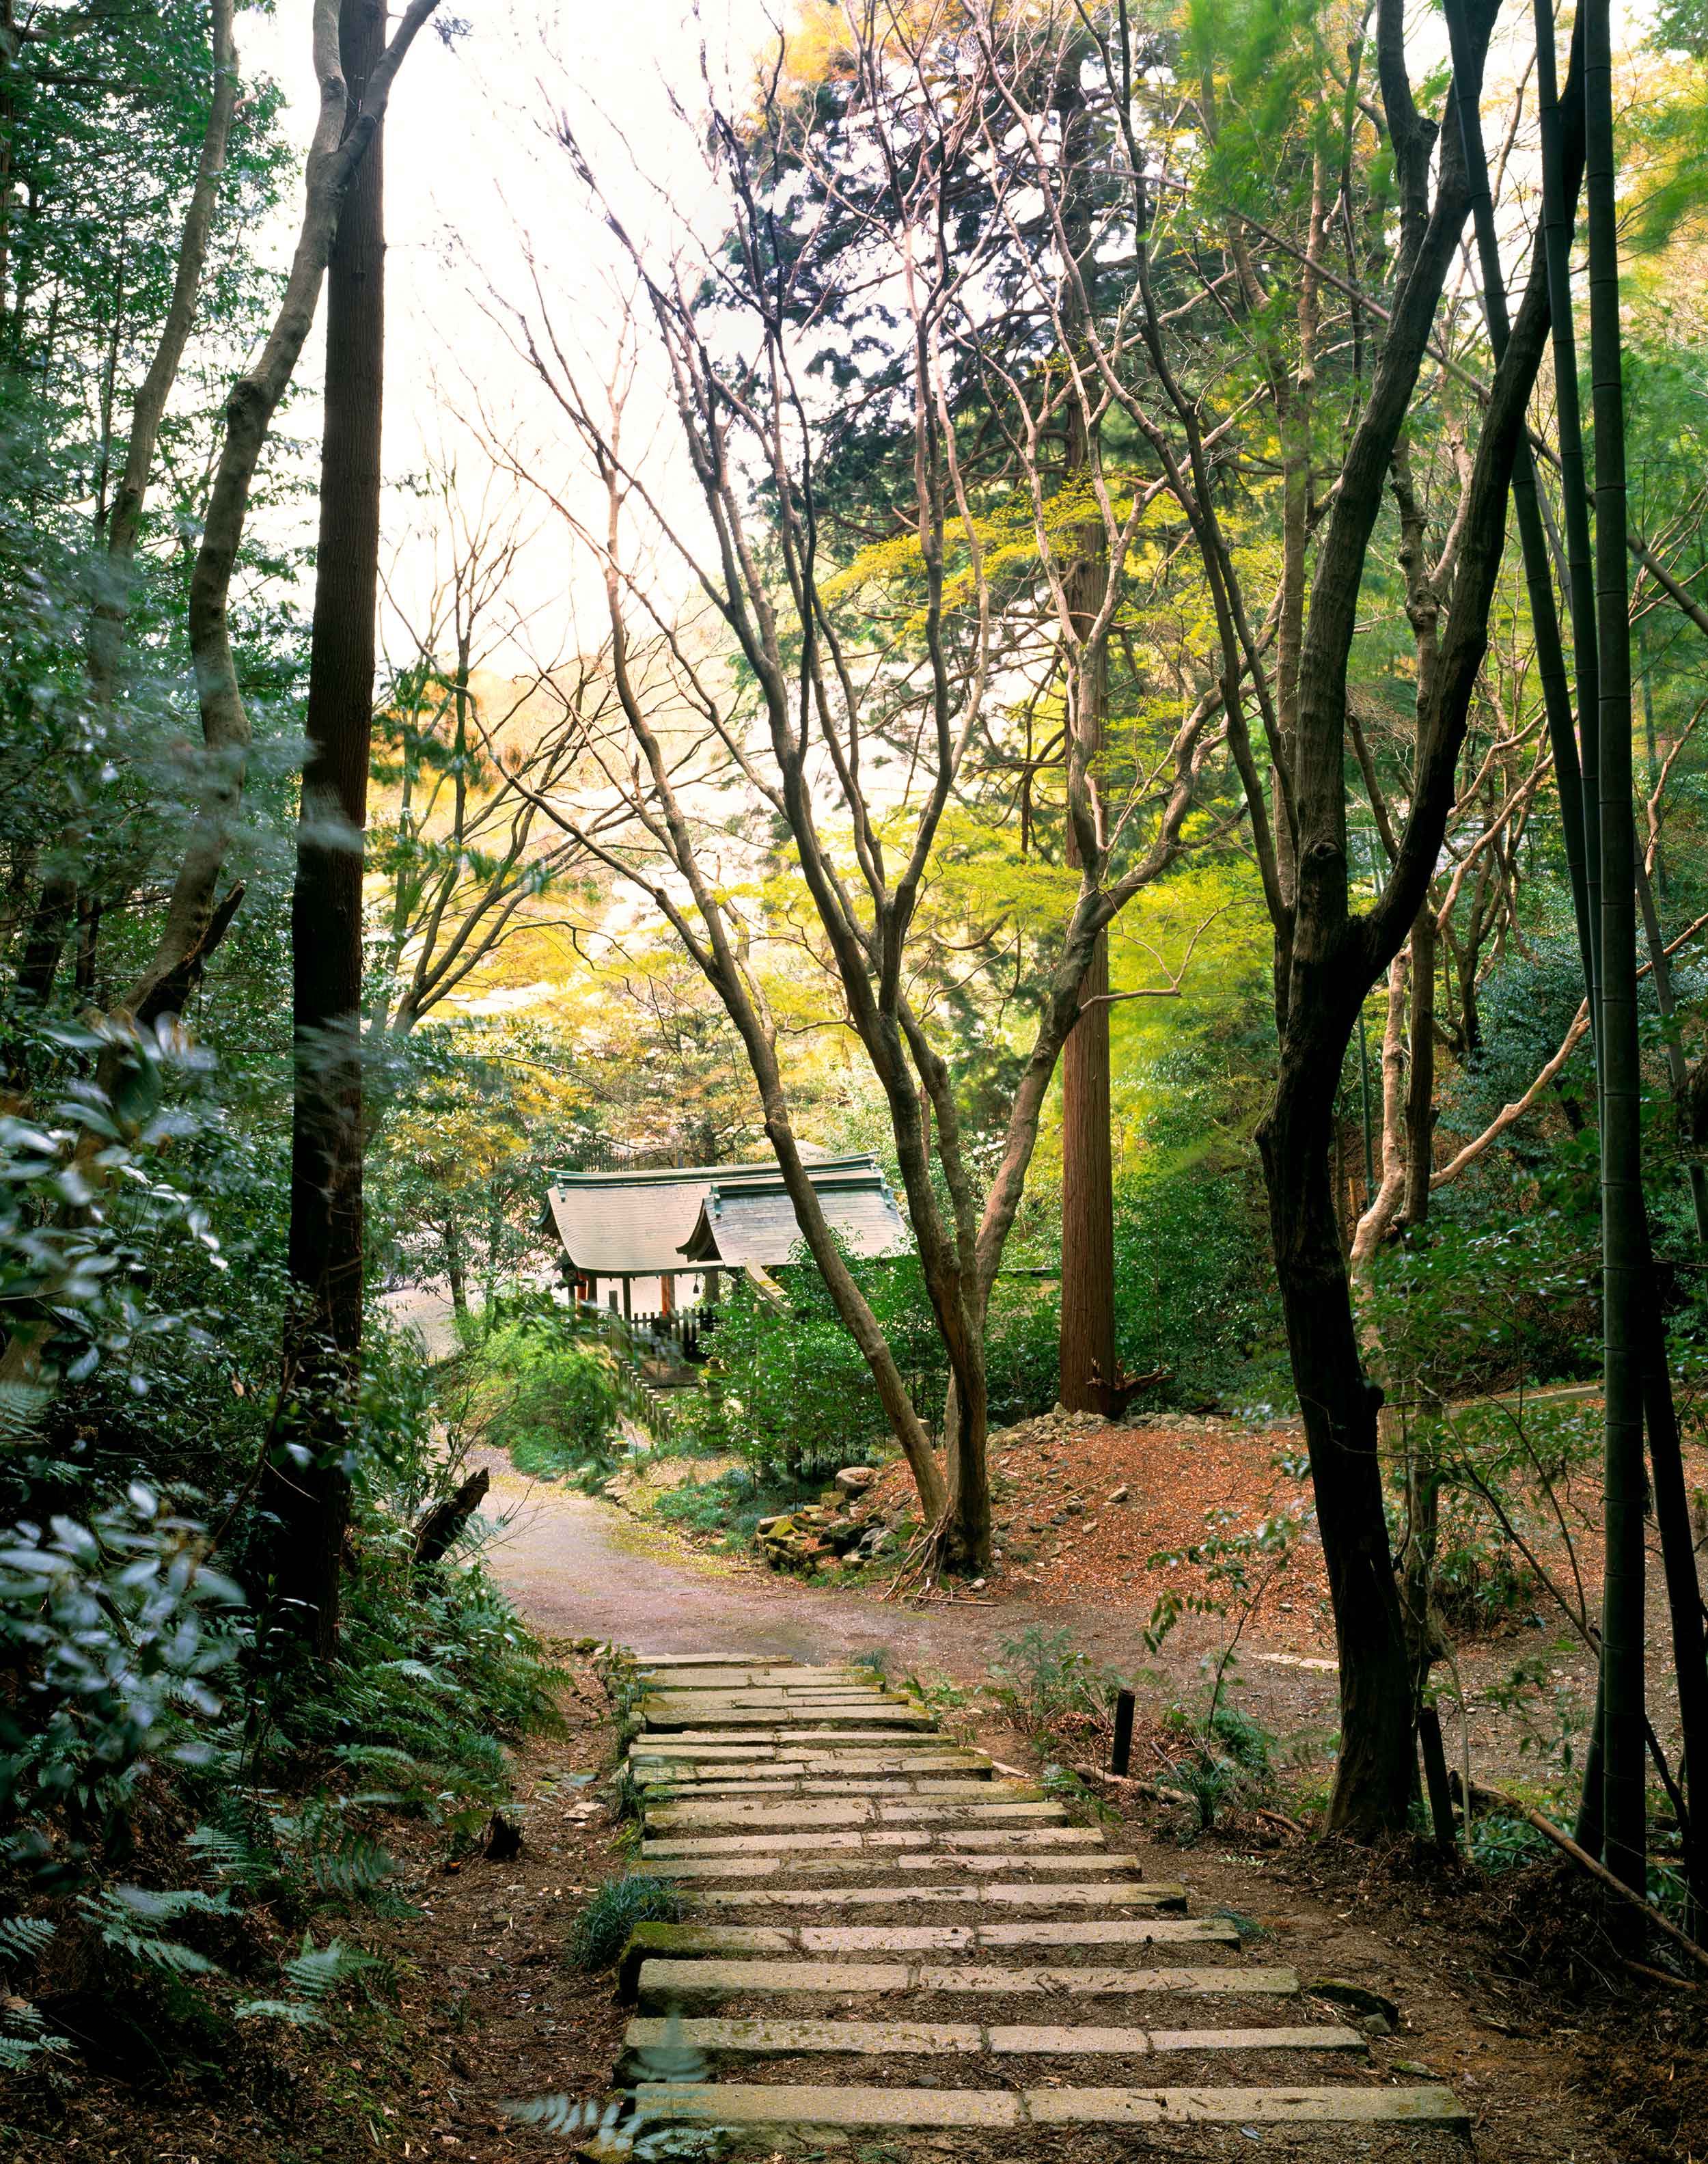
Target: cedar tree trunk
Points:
(312, 1493)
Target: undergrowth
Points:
(603, 1929)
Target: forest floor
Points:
(1094, 1523)
(488, 2012)
(1506, 1987)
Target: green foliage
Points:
(118, 1625)
(136, 1923)
(1061, 1785)
(311, 1975)
(1229, 1757)
(734, 1504)
(1042, 1679)
(790, 1390)
(603, 1929)
(547, 1392)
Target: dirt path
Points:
(579, 1568)
(582, 1568)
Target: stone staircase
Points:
(886, 1934)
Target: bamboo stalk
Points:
(1585, 1861)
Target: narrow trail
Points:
(581, 1568)
(885, 1935)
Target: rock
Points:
(978, 1585)
(779, 1522)
(1370, 2008)
(1119, 1494)
(811, 1513)
(1416, 2069)
(855, 1480)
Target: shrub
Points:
(603, 1929)
(1042, 1678)
(734, 1504)
(545, 1393)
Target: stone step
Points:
(940, 1784)
(644, 1661)
(685, 1941)
(915, 1735)
(850, 1863)
(947, 1840)
(752, 2104)
(648, 1766)
(769, 1696)
(785, 1724)
(662, 1984)
(1115, 1894)
(778, 1677)
(785, 2039)
(693, 1777)
(810, 1815)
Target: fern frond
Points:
(22, 1938)
(313, 1973)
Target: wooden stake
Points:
(1122, 1755)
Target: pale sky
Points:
(470, 170)
(474, 182)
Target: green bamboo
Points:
(1625, 1245)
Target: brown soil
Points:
(485, 2012)
(1507, 1987)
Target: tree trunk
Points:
(1624, 1225)
(313, 1498)
(1087, 1342)
(456, 1270)
(1088, 1205)
(1419, 1093)
(1340, 1404)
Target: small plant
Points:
(1061, 1785)
(598, 2125)
(312, 1974)
(1042, 1679)
(603, 1929)
(547, 1393)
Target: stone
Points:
(990, 1849)
(755, 2103)
(1357, 1999)
(1106, 1982)
(785, 2039)
(668, 1984)
(855, 1480)
(1115, 1896)
(1241, 2107)
(1328, 2036)
(752, 2104)
(1119, 1494)
(663, 1984)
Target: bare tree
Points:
(57, 904)
(840, 658)
(1329, 952)
(470, 862)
